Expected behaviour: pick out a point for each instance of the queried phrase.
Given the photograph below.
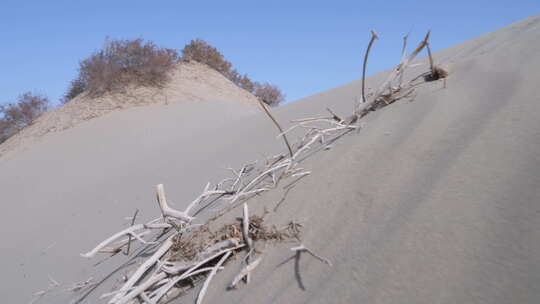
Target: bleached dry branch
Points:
(168, 211)
(210, 276)
(245, 271)
(158, 276)
(303, 248)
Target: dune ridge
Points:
(190, 82)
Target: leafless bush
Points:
(76, 87)
(16, 116)
(269, 93)
(200, 51)
(121, 63)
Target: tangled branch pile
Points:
(191, 252)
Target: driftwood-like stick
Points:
(210, 276)
(200, 263)
(129, 236)
(146, 299)
(403, 54)
(263, 105)
(373, 37)
(258, 178)
(399, 69)
(141, 288)
(129, 231)
(334, 115)
(247, 239)
(143, 269)
(303, 248)
(245, 271)
(168, 211)
(161, 291)
(245, 227)
(431, 67)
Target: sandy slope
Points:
(190, 82)
(435, 200)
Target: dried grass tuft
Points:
(437, 73)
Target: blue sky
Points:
(302, 46)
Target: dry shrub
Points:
(122, 63)
(76, 87)
(438, 73)
(189, 245)
(269, 93)
(200, 51)
(16, 116)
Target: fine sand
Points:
(435, 200)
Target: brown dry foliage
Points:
(15, 116)
(437, 73)
(269, 93)
(122, 63)
(76, 87)
(200, 51)
(188, 245)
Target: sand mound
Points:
(190, 82)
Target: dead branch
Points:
(189, 254)
(277, 125)
(245, 271)
(245, 228)
(128, 231)
(210, 276)
(143, 269)
(129, 236)
(168, 211)
(303, 248)
(431, 68)
(373, 37)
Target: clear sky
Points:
(302, 46)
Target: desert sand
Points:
(435, 200)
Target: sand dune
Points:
(190, 82)
(434, 200)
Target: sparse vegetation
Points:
(122, 63)
(200, 51)
(76, 87)
(15, 116)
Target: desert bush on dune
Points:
(16, 116)
(269, 93)
(122, 63)
(200, 51)
(76, 87)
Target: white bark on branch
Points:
(143, 269)
(245, 271)
(210, 276)
(168, 211)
